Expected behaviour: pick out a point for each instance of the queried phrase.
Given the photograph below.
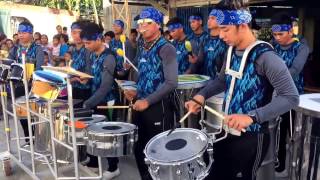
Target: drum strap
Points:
(237, 74)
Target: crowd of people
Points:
(268, 87)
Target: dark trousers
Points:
(239, 157)
(284, 129)
(152, 121)
(82, 94)
(112, 161)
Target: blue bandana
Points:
(173, 27)
(119, 23)
(231, 17)
(152, 13)
(197, 18)
(75, 26)
(25, 28)
(93, 37)
(281, 27)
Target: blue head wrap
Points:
(92, 37)
(194, 17)
(281, 27)
(75, 26)
(119, 23)
(231, 17)
(172, 27)
(152, 13)
(25, 28)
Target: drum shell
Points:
(23, 113)
(111, 145)
(216, 103)
(16, 73)
(4, 73)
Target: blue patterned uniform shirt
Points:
(182, 56)
(252, 91)
(288, 55)
(150, 70)
(79, 63)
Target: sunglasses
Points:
(142, 21)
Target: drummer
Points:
(102, 87)
(158, 74)
(294, 54)
(115, 44)
(251, 104)
(34, 54)
(197, 35)
(179, 42)
(81, 62)
(212, 50)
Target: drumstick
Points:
(114, 107)
(212, 111)
(181, 121)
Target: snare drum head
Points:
(182, 144)
(310, 102)
(22, 99)
(111, 127)
(192, 80)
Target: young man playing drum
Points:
(197, 35)
(102, 84)
(212, 51)
(294, 54)
(177, 33)
(81, 62)
(158, 74)
(249, 105)
(34, 54)
(115, 44)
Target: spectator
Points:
(167, 35)
(108, 36)
(15, 39)
(10, 44)
(44, 42)
(65, 30)
(36, 36)
(64, 46)
(38, 41)
(67, 57)
(46, 60)
(133, 38)
(59, 29)
(55, 48)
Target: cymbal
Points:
(68, 70)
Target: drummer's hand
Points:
(238, 121)
(130, 94)
(75, 79)
(193, 59)
(193, 106)
(141, 105)
(84, 81)
(126, 66)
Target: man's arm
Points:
(109, 65)
(273, 68)
(170, 70)
(299, 61)
(39, 58)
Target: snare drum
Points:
(4, 72)
(80, 125)
(16, 72)
(179, 155)
(23, 113)
(111, 139)
(47, 85)
(188, 86)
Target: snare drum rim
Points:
(193, 84)
(171, 163)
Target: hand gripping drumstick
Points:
(121, 53)
(212, 111)
(180, 122)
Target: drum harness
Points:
(236, 75)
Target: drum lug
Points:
(201, 163)
(178, 172)
(147, 161)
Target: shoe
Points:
(107, 175)
(85, 162)
(282, 174)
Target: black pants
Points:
(112, 161)
(239, 157)
(82, 94)
(154, 120)
(284, 129)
